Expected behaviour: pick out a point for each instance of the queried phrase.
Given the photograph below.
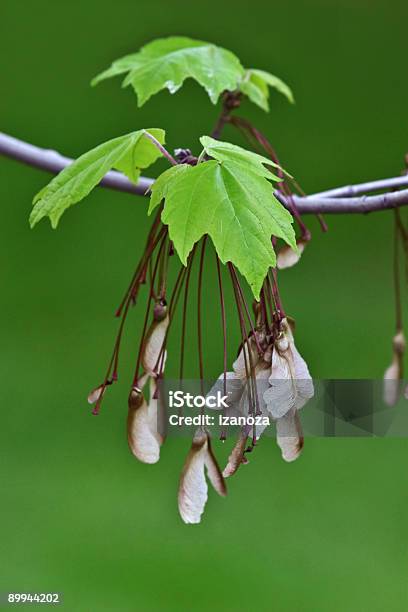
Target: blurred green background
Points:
(78, 514)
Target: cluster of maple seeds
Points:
(268, 375)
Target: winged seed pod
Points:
(288, 257)
(291, 385)
(247, 354)
(193, 489)
(156, 335)
(289, 435)
(240, 404)
(96, 394)
(237, 456)
(142, 425)
(394, 373)
(234, 388)
(246, 405)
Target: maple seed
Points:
(160, 310)
(96, 394)
(289, 436)
(135, 398)
(155, 338)
(394, 373)
(193, 489)
(236, 457)
(247, 354)
(143, 438)
(288, 257)
(291, 385)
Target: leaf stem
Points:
(224, 332)
(159, 366)
(146, 319)
(248, 314)
(404, 239)
(221, 121)
(184, 315)
(151, 243)
(230, 101)
(267, 147)
(161, 148)
(200, 340)
(273, 279)
(201, 157)
(397, 282)
(246, 347)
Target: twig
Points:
(364, 204)
(160, 147)
(356, 190)
(51, 161)
(334, 201)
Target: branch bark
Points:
(333, 201)
(355, 190)
(365, 204)
(47, 159)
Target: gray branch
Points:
(333, 201)
(361, 188)
(47, 159)
(365, 204)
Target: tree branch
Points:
(365, 204)
(46, 159)
(355, 190)
(332, 201)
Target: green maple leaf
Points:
(256, 83)
(225, 151)
(128, 154)
(167, 62)
(231, 201)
